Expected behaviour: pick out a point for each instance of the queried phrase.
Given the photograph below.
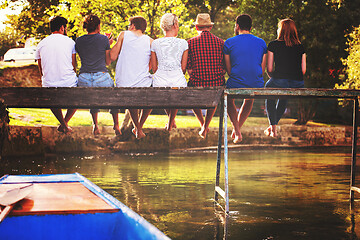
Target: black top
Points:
(92, 51)
(287, 60)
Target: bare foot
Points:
(64, 129)
(96, 131)
(117, 130)
(233, 134)
(267, 131)
(173, 126)
(237, 138)
(273, 133)
(203, 132)
(138, 134)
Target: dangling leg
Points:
(199, 116)
(135, 119)
(205, 128)
(245, 111)
(270, 106)
(115, 116)
(94, 115)
(143, 116)
(232, 112)
(59, 116)
(172, 115)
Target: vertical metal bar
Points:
(354, 145)
(226, 156)
(218, 162)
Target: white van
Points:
(20, 54)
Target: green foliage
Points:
(34, 18)
(8, 40)
(352, 63)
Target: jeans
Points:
(97, 79)
(275, 108)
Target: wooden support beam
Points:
(104, 98)
(291, 93)
(355, 189)
(220, 191)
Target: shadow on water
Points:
(293, 194)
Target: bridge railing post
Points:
(218, 162)
(354, 152)
(226, 155)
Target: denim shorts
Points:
(284, 83)
(98, 79)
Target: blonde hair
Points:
(167, 21)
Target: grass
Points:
(38, 117)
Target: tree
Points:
(352, 64)
(33, 19)
(8, 39)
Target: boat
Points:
(68, 206)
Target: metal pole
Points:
(226, 156)
(354, 145)
(218, 162)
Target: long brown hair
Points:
(287, 32)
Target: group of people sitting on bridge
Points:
(163, 62)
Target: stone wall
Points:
(47, 140)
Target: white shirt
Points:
(132, 67)
(169, 52)
(55, 52)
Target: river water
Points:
(274, 194)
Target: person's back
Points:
(132, 68)
(245, 63)
(132, 51)
(56, 59)
(246, 53)
(206, 60)
(169, 52)
(55, 52)
(287, 59)
(205, 64)
(92, 51)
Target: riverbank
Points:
(25, 141)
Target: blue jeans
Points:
(275, 108)
(98, 79)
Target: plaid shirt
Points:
(206, 60)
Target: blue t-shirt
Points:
(92, 51)
(246, 54)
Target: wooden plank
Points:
(220, 191)
(58, 198)
(356, 189)
(104, 98)
(291, 93)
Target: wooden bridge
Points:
(184, 98)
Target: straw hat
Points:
(203, 20)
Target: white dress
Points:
(132, 67)
(169, 52)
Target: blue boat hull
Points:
(124, 224)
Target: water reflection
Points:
(273, 194)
